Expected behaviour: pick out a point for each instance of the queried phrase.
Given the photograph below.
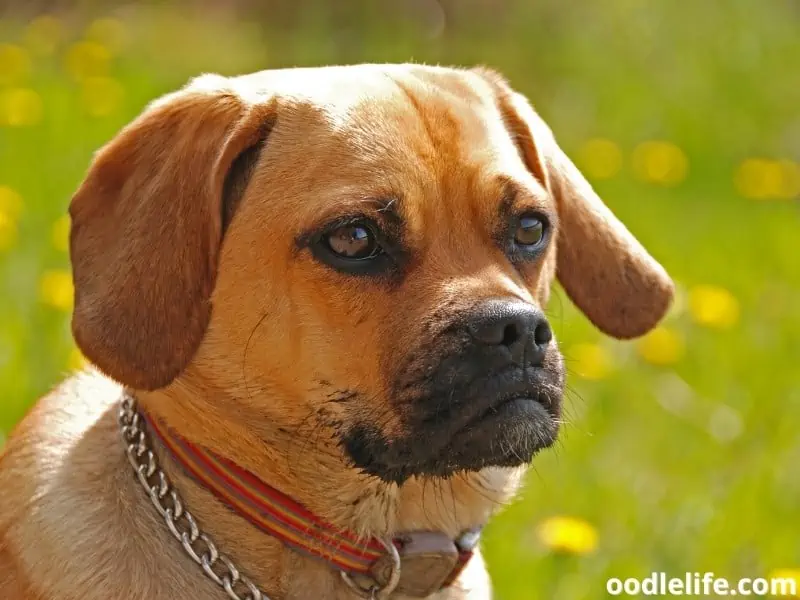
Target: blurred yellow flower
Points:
(14, 64)
(713, 306)
(762, 179)
(108, 32)
(660, 162)
(20, 107)
(590, 361)
(662, 346)
(568, 534)
(8, 232)
(787, 575)
(76, 360)
(600, 158)
(55, 289)
(60, 234)
(10, 210)
(10, 202)
(43, 35)
(101, 96)
(87, 59)
(790, 180)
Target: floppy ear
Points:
(605, 271)
(147, 227)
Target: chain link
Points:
(179, 520)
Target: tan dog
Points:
(333, 278)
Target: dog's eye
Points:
(530, 231)
(356, 242)
(357, 246)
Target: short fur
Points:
(194, 290)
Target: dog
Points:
(313, 304)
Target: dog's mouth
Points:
(502, 421)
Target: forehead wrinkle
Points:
(446, 117)
(424, 118)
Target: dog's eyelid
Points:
(383, 212)
(546, 215)
(517, 198)
(527, 207)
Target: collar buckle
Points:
(429, 560)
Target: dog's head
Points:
(371, 245)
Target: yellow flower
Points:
(43, 35)
(789, 578)
(76, 360)
(762, 179)
(713, 306)
(10, 202)
(568, 534)
(659, 162)
(14, 64)
(662, 346)
(60, 234)
(20, 107)
(590, 361)
(10, 209)
(101, 96)
(8, 232)
(108, 32)
(55, 289)
(600, 158)
(87, 59)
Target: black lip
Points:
(522, 412)
(509, 407)
(507, 404)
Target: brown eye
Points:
(530, 231)
(354, 242)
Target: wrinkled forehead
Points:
(430, 138)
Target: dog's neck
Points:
(309, 467)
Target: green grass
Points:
(682, 454)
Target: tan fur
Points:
(237, 338)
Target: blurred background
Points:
(682, 450)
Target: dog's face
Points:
(370, 247)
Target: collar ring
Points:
(376, 591)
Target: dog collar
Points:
(417, 564)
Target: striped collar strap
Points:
(295, 526)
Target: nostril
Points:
(511, 334)
(542, 334)
(511, 325)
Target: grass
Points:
(681, 452)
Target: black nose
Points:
(512, 326)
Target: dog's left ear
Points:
(603, 268)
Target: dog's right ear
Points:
(147, 224)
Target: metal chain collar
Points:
(180, 522)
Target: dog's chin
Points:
(508, 433)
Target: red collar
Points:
(278, 515)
